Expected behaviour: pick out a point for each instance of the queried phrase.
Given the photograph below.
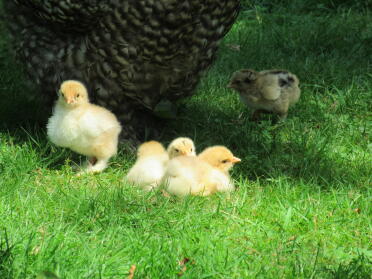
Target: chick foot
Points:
(256, 116)
(93, 165)
(99, 166)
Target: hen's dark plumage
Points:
(131, 53)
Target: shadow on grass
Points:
(6, 256)
(300, 148)
(357, 268)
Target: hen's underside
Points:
(132, 54)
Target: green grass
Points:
(303, 206)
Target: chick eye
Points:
(237, 82)
(78, 95)
(247, 80)
(177, 150)
(224, 161)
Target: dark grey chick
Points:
(266, 91)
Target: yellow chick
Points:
(219, 157)
(202, 175)
(83, 127)
(150, 165)
(152, 158)
(222, 160)
(181, 147)
(266, 91)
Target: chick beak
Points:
(183, 153)
(69, 101)
(235, 160)
(230, 86)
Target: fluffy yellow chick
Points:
(266, 91)
(202, 175)
(83, 127)
(219, 157)
(181, 147)
(150, 165)
(152, 159)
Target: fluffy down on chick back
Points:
(133, 54)
(187, 175)
(267, 91)
(152, 159)
(202, 175)
(149, 167)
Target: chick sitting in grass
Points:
(181, 147)
(149, 168)
(202, 175)
(83, 127)
(219, 157)
(152, 159)
(266, 91)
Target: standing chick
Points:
(266, 91)
(181, 147)
(202, 175)
(83, 127)
(150, 165)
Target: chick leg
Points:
(99, 166)
(257, 113)
(282, 110)
(203, 193)
(92, 161)
(283, 116)
(208, 189)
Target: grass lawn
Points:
(303, 204)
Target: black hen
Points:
(132, 54)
